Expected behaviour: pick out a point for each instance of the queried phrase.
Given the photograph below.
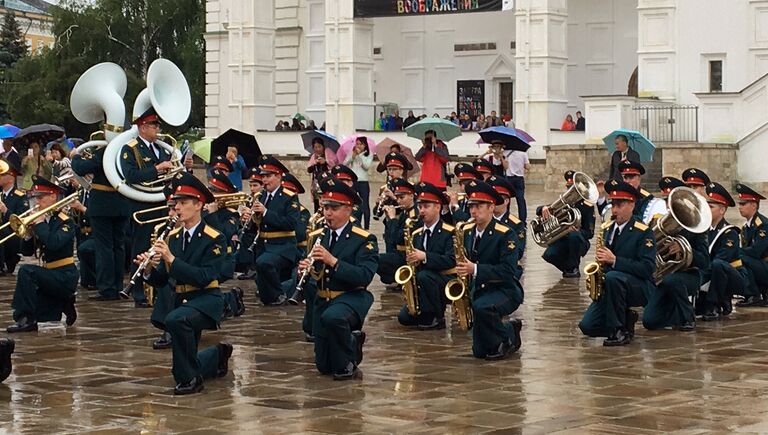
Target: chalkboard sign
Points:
(470, 97)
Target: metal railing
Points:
(675, 123)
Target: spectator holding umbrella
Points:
(9, 153)
(433, 157)
(320, 162)
(360, 160)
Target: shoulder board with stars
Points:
(133, 143)
(210, 232)
(641, 226)
(360, 232)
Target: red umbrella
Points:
(384, 147)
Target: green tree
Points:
(12, 45)
(131, 33)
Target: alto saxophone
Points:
(594, 271)
(406, 274)
(457, 289)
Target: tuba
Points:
(457, 289)
(406, 274)
(687, 211)
(98, 94)
(563, 213)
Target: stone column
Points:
(657, 49)
(287, 37)
(240, 65)
(348, 69)
(540, 65)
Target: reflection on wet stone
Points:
(102, 375)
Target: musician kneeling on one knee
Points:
(433, 262)
(627, 261)
(342, 266)
(490, 264)
(191, 261)
(43, 293)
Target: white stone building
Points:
(268, 59)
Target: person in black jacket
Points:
(623, 152)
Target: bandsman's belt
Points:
(449, 271)
(736, 263)
(186, 288)
(59, 263)
(103, 187)
(277, 234)
(328, 294)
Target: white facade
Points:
(268, 59)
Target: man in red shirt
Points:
(433, 157)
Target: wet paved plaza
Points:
(101, 375)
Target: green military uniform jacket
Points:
(636, 253)
(138, 164)
(357, 252)
(394, 229)
(440, 255)
(104, 201)
(16, 203)
(194, 273)
(277, 233)
(754, 238)
(496, 259)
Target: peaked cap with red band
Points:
(480, 191)
(628, 167)
(271, 165)
(666, 184)
(695, 177)
(292, 183)
(502, 185)
(221, 162)
(148, 117)
(336, 192)
(41, 186)
(426, 192)
(718, 194)
(221, 182)
(465, 171)
(401, 185)
(483, 166)
(188, 186)
(397, 160)
(746, 193)
(621, 190)
(343, 172)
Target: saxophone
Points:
(406, 274)
(457, 289)
(594, 271)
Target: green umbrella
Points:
(202, 149)
(445, 130)
(298, 116)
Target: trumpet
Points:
(149, 211)
(227, 200)
(170, 225)
(21, 223)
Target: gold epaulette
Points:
(133, 143)
(230, 209)
(63, 216)
(500, 227)
(606, 224)
(588, 203)
(641, 226)
(468, 226)
(758, 221)
(449, 228)
(360, 232)
(514, 219)
(412, 213)
(210, 232)
(174, 231)
(18, 192)
(288, 192)
(645, 193)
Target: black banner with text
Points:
(397, 8)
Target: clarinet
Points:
(247, 225)
(169, 226)
(298, 293)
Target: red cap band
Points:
(630, 171)
(395, 162)
(344, 176)
(221, 185)
(337, 197)
(715, 197)
(569, 182)
(430, 197)
(482, 197)
(466, 176)
(185, 190)
(220, 165)
(502, 190)
(290, 186)
(403, 189)
(45, 189)
(483, 169)
(147, 119)
(271, 168)
(695, 180)
(620, 194)
(749, 197)
(256, 177)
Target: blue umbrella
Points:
(508, 136)
(635, 140)
(8, 131)
(330, 140)
(443, 128)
